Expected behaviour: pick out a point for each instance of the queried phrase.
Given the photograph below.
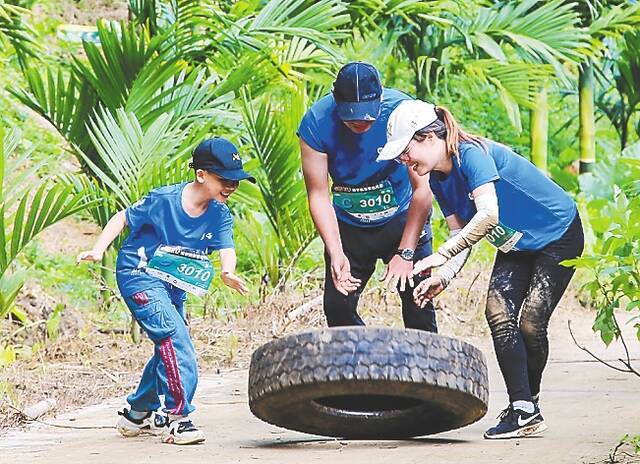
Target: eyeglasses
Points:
(404, 152)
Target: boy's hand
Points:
(92, 255)
(235, 282)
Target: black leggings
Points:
(528, 285)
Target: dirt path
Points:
(588, 407)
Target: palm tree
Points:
(280, 192)
(515, 47)
(620, 99)
(602, 20)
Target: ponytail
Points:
(455, 133)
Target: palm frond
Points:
(516, 83)
(130, 153)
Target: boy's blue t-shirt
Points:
(159, 219)
(366, 193)
(528, 201)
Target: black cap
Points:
(220, 156)
(358, 92)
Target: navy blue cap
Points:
(358, 92)
(220, 156)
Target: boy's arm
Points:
(228, 269)
(113, 228)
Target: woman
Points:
(486, 190)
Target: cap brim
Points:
(394, 148)
(359, 111)
(234, 174)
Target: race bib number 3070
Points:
(367, 203)
(504, 238)
(186, 269)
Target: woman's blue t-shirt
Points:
(159, 219)
(528, 201)
(366, 193)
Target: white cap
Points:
(409, 117)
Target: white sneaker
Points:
(153, 423)
(181, 432)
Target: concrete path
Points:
(587, 406)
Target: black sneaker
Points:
(536, 401)
(515, 423)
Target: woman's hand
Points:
(431, 261)
(91, 255)
(427, 290)
(235, 282)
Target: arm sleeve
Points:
(452, 267)
(140, 213)
(308, 131)
(478, 167)
(224, 236)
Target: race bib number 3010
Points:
(186, 269)
(367, 203)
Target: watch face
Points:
(407, 254)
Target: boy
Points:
(172, 230)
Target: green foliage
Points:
(620, 98)
(280, 191)
(26, 208)
(612, 198)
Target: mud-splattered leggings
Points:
(524, 290)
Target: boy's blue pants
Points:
(173, 369)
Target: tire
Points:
(368, 383)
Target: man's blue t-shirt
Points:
(366, 193)
(528, 201)
(159, 219)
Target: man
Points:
(374, 214)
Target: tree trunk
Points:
(539, 131)
(108, 277)
(586, 85)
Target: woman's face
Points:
(423, 156)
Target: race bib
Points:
(504, 238)
(189, 270)
(367, 203)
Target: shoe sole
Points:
(520, 433)
(129, 433)
(172, 441)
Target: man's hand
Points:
(427, 290)
(91, 255)
(235, 282)
(344, 282)
(431, 261)
(400, 270)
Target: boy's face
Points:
(218, 188)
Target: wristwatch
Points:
(405, 253)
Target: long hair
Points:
(447, 128)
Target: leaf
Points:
(7, 355)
